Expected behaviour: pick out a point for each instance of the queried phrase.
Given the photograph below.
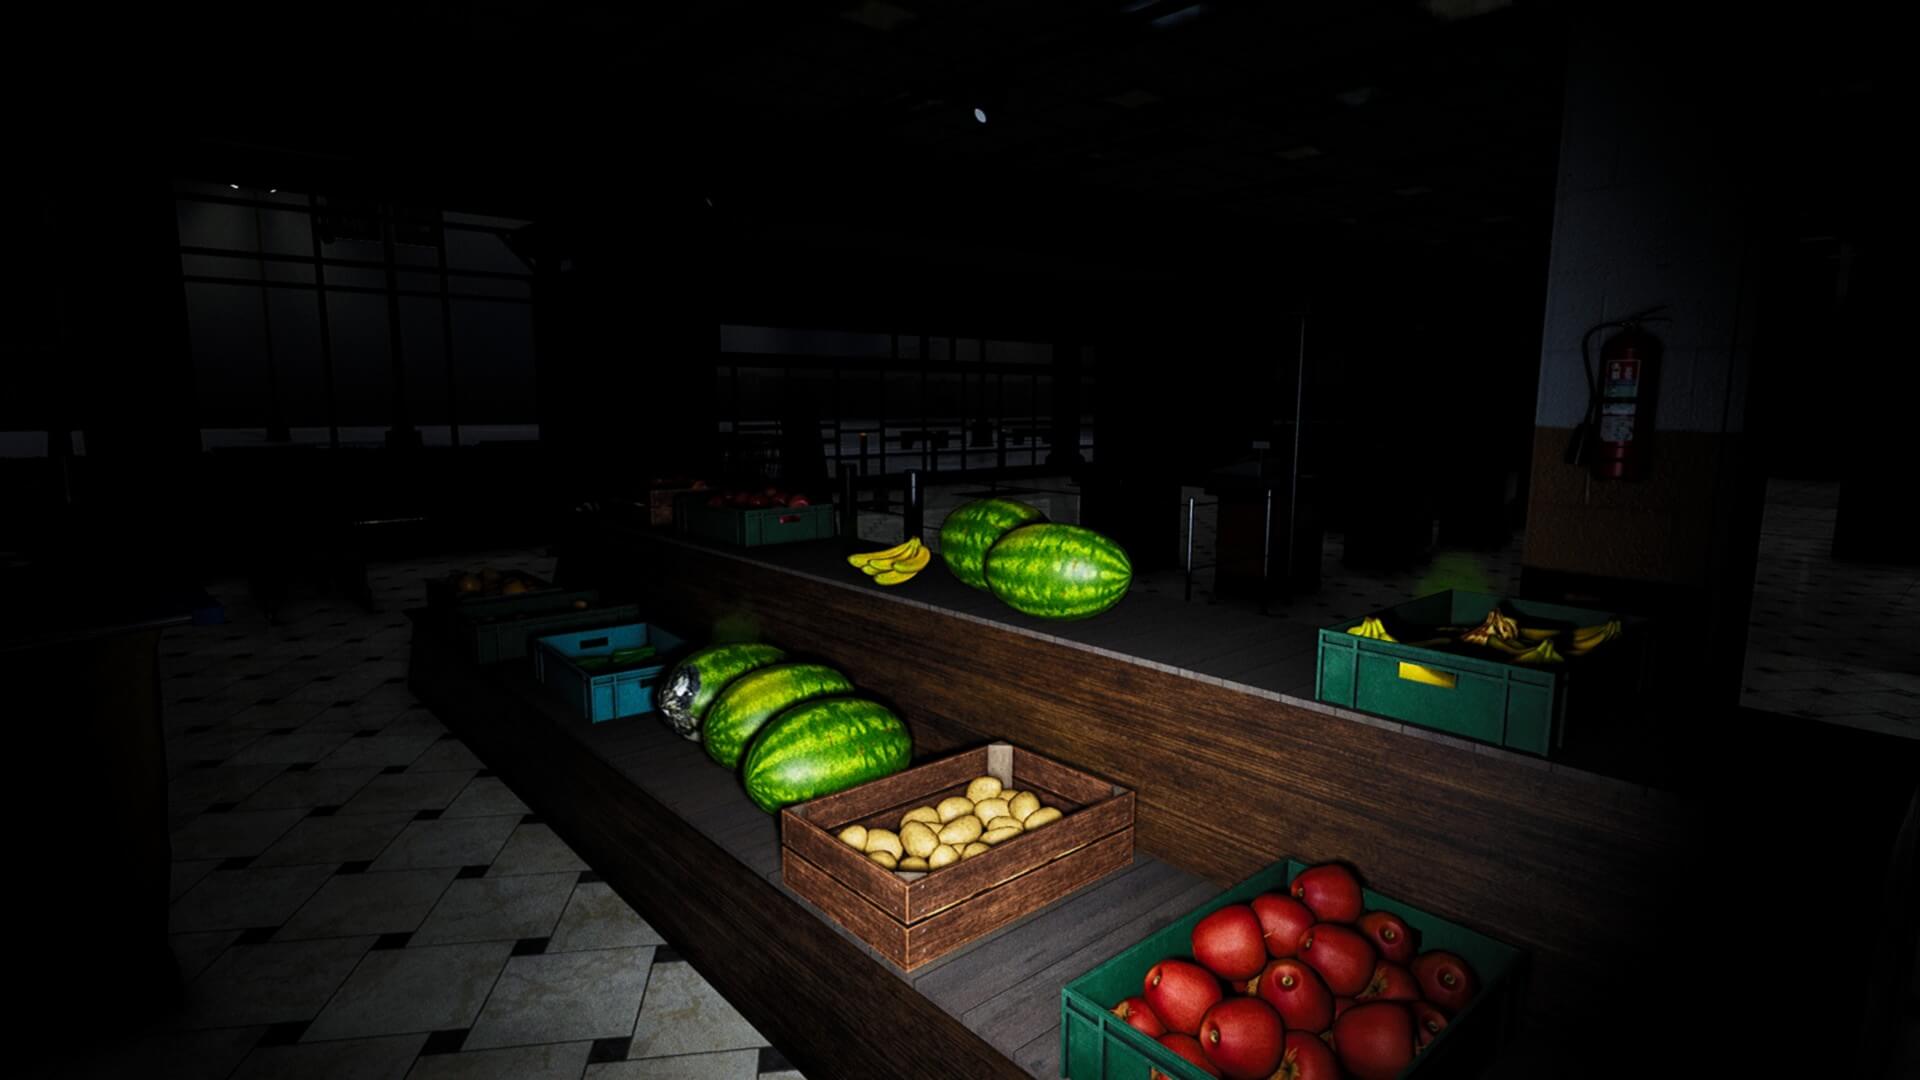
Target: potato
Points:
(1046, 815)
(954, 807)
(972, 849)
(1023, 804)
(913, 862)
(883, 840)
(988, 809)
(855, 837)
(984, 787)
(994, 836)
(1004, 823)
(944, 855)
(884, 858)
(961, 831)
(917, 838)
(921, 813)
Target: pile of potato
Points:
(961, 827)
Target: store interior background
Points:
(403, 284)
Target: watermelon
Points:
(1058, 571)
(823, 746)
(973, 527)
(751, 700)
(684, 695)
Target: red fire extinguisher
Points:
(1612, 440)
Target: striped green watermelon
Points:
(824, 746)
(973, 527)
(687, 691)
(751, 700)
(1058, 571)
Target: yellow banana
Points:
(1534, 633)
(893, 577)
(1588, 638)
(1543, 653)
(914, 563)
(906, 547)
(1371, 627)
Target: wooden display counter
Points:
(1578, 869)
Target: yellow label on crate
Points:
(1422, 674)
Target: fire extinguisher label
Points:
(1616, 424)
(1623, 378)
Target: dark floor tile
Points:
(286, 1034)
(485, 774)
(300, 766)
(345, 703)
(606, 1050)
(259, 935)
(468, 873)
(367, 734)
(772, 1060)
(663, 954)
(238, 862)
(394, 770)
(189, 700)
(393, 941)
(532, 819)
(533, 946)
(199, 728)
(355, 867)
(446, 1042)
(223, 807)
(588, 877)
(427, 815)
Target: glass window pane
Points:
(494, 381)
(228, 335)
(300, 378)
(479, 286)
(362, 358)
(214, 225)
(425, 356)
(469, 250)
(222, 266)
(286, 232)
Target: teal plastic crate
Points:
(752, 528)
(587, 669)
(1097, 1045)
(502, 628)
(1519, 706)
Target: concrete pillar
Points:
(1649, 211)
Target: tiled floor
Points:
(1831, 641)
(356, 896)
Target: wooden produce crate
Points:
(912, 920)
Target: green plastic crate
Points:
(1519, 706)
(503, 628)
(752, 528)
(1097, 1045)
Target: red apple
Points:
(1307, 1057)
(1445, 980)
(1282, 920)
(1340, 1005)
(1180, 993)
(719, 501)
(1188, 1047)
(1229, 943)
(1390, 982)
(798, 500)
(1428, 1023)
(1340, 955)
(1374, 1040)
(1298, 994)
(1389, 934)
(1138, 1013)
(1243, 1037)
(1331, 890)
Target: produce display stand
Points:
(1095, 1044)
(604, 691)
(504, 628)
(913, 922)
(677, 837)
(747, 527)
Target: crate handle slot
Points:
(1420, 673)
(600, 643)
(788, 519)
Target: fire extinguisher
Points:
(1612, 439)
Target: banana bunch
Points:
(894, 565)
(1588, 638)
(1543, 653)
(1497, 629)
(1372, 627)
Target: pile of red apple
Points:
(1314, 988)
(756, 500)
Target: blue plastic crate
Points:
(618, 689)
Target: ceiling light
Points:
(980, 115)
(273, 191)
(235, 187)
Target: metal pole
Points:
(1299, 424)
(849, 504)
(276, 422)
(916, 512)
(446, 333)
(1266, 554)
(326, 334)
(1190, 502)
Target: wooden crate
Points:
(916, 918)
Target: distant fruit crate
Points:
(606, 673)
(503, 628)
(1097, 1045)
(911, 922)
(752, 527)
(472, 588)
(1520, 706)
